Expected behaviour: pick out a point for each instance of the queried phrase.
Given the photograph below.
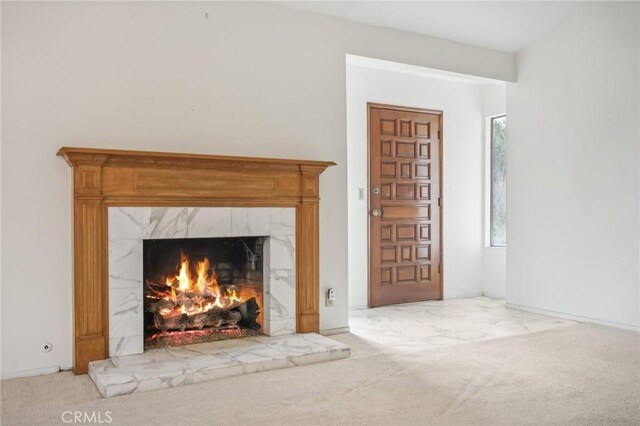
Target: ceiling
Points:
(507, 26)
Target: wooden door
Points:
(404, 208)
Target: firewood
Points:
(160, 290)
(213, 318)
(161, 304)
(244, 312)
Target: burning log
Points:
(168, 298)
(160, 290)
(162, 304)
(188, 302)
(213, 318)
(244, 313)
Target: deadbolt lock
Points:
(377, 212)
(375, 190)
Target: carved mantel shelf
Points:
(103, 178)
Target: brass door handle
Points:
(376, 212)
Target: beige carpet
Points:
(578, 374)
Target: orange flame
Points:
(198, 293)
(202, 270)
(184, 280)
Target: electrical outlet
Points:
(331, 296)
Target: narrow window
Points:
(498, 181)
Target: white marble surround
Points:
(129, 226)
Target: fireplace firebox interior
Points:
(202, 289)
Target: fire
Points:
(184, 280)
(202, 268)
(194, 291)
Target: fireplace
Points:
(202, 289)
(107, 285)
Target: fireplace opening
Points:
(202, 289)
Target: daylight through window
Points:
(498, 181)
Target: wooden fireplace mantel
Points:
(103, 178)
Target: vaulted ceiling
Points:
(507, 26)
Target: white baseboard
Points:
(493, 296)
(462, 296)
(332, 331)
(358, 308)
(447, 297)
(579, 318)
(29, 373)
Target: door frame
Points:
(440, 114)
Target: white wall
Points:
(494, 258)
(462, 102)
(573, 181)
(221, 78)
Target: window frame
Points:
(490, 224)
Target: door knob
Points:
(377, 212)
(375, 190)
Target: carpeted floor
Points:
(576, 374)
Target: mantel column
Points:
(308, 247)
(90, 298)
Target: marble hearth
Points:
(130, 226)
(178, 366)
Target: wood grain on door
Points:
(405, 205)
